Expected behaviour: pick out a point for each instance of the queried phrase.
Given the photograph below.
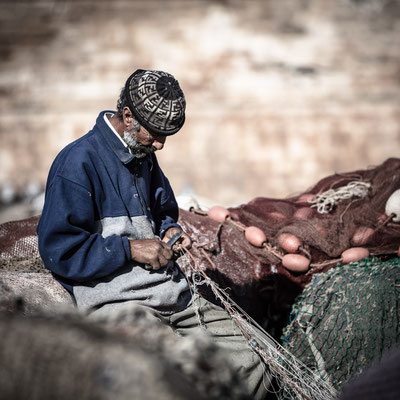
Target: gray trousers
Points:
(220, 327)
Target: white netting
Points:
(326, 201)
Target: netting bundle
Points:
(346, 318)
(339, 212)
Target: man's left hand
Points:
(183, 241)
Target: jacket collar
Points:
(116, 146)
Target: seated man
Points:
(110, 211)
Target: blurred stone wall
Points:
(280, 93)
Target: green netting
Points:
(346, 318)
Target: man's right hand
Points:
(152, 252)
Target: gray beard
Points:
(136, 148)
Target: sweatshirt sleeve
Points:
(164, 207)
(68, 242)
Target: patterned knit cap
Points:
(156, 100)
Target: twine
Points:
(326, 201)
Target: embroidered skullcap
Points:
(156, 101)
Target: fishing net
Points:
(327, 216)
(325, 219)
(346, 318)
(19, 246)
(19, 239)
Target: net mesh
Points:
(346, 318)
(19, 239)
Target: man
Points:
(109, 211)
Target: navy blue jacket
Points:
(95, 179)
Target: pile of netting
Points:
(346, 318)
(341, 212)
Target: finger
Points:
(167, 253)
(176, 247)
(156, 265)
(170, 233)
(163, 261)
(165, 245)
(165, 239)
(186, 242)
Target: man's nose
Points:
(158, 144)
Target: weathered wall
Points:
(280, 93)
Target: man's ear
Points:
(127, 116)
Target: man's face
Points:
(142, 142)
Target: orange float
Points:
(354, 254)
(295, 262)
(255, 236)
(303, 213)
(362, 236)
(218, 213)
(289, 242)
